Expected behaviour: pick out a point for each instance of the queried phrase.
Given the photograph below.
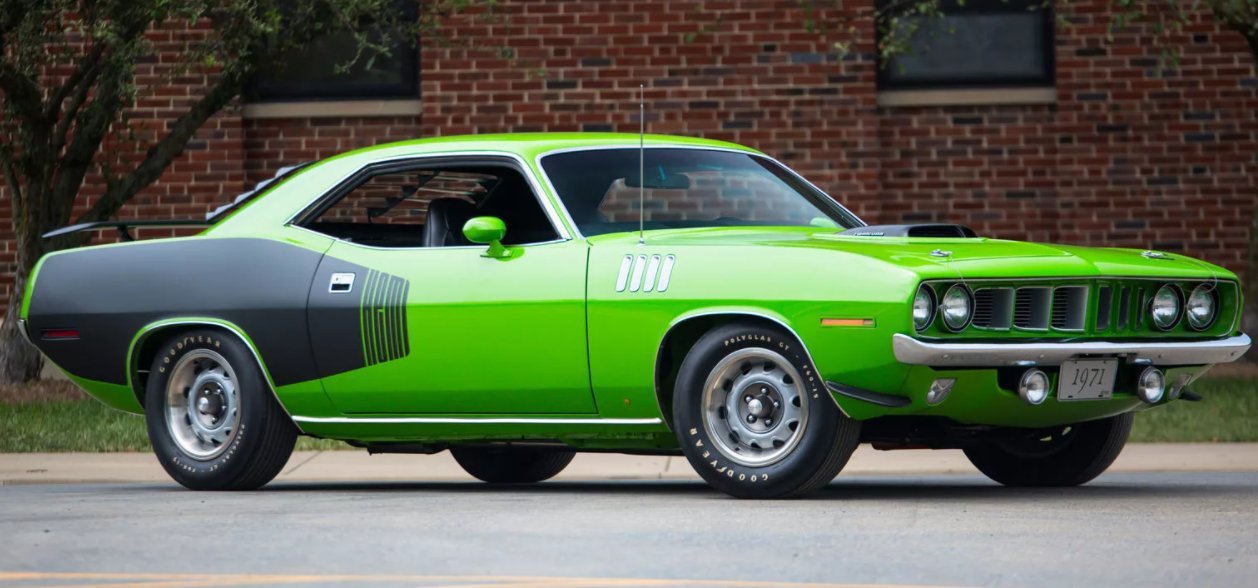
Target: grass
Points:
(57, 420)
(1227, 413)
(87, 425)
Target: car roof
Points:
(530, 145)
(295, 192)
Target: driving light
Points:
(1164, 308)
(1151, 385)
(939, 390)
(923, 307)
(1201, 307)
(1034, 387)
(1178, 387)
(956, 307)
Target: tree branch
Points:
(82, 73)
(171, 146)
(72, 109)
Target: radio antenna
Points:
(641, 165)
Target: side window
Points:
(427, 207)
(709, 196)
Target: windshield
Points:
(685, 188)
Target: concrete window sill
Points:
(971, 97)
(331, 109)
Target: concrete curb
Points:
(357, 466)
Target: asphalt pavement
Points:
(1125, 529)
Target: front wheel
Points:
(754, 418)
(512, 465)
(212, 419)
(1070, 456)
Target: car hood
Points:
(933, 258)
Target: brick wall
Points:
(1122, 157)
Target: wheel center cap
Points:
(210, 403)
(759, 407)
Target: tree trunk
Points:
(19, 361)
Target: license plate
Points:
(1087, 379)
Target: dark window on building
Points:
(978, 43)
(312, 73)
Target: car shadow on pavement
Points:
(896, 488)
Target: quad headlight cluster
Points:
(1167, 307)
(955, 310)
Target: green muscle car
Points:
(518, 298)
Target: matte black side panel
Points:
(109, 293)
(364, 326)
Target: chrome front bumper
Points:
(914, 352)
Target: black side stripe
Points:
(382, 316)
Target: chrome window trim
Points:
(634, 146)
(551, 215)
(443, 248)
(912, 351)
(476, 421)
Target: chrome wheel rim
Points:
(754, 408)
(202, 404)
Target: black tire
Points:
(264, 436)
(1074, 456)
(824, 443)
(512, 465)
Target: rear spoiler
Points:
(123, 226)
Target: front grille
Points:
(1104, 306)
(993, 308)
(1030, 308)
(1070, 307)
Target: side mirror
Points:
(487, 230)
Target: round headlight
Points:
(923, 307)
(1201, 307)
(956, 307)
(1164, 308)
(1151, 385)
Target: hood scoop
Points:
(933, 230)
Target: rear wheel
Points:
(512, 465)
(754, 418)
(212, 419)
(1070, 456)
